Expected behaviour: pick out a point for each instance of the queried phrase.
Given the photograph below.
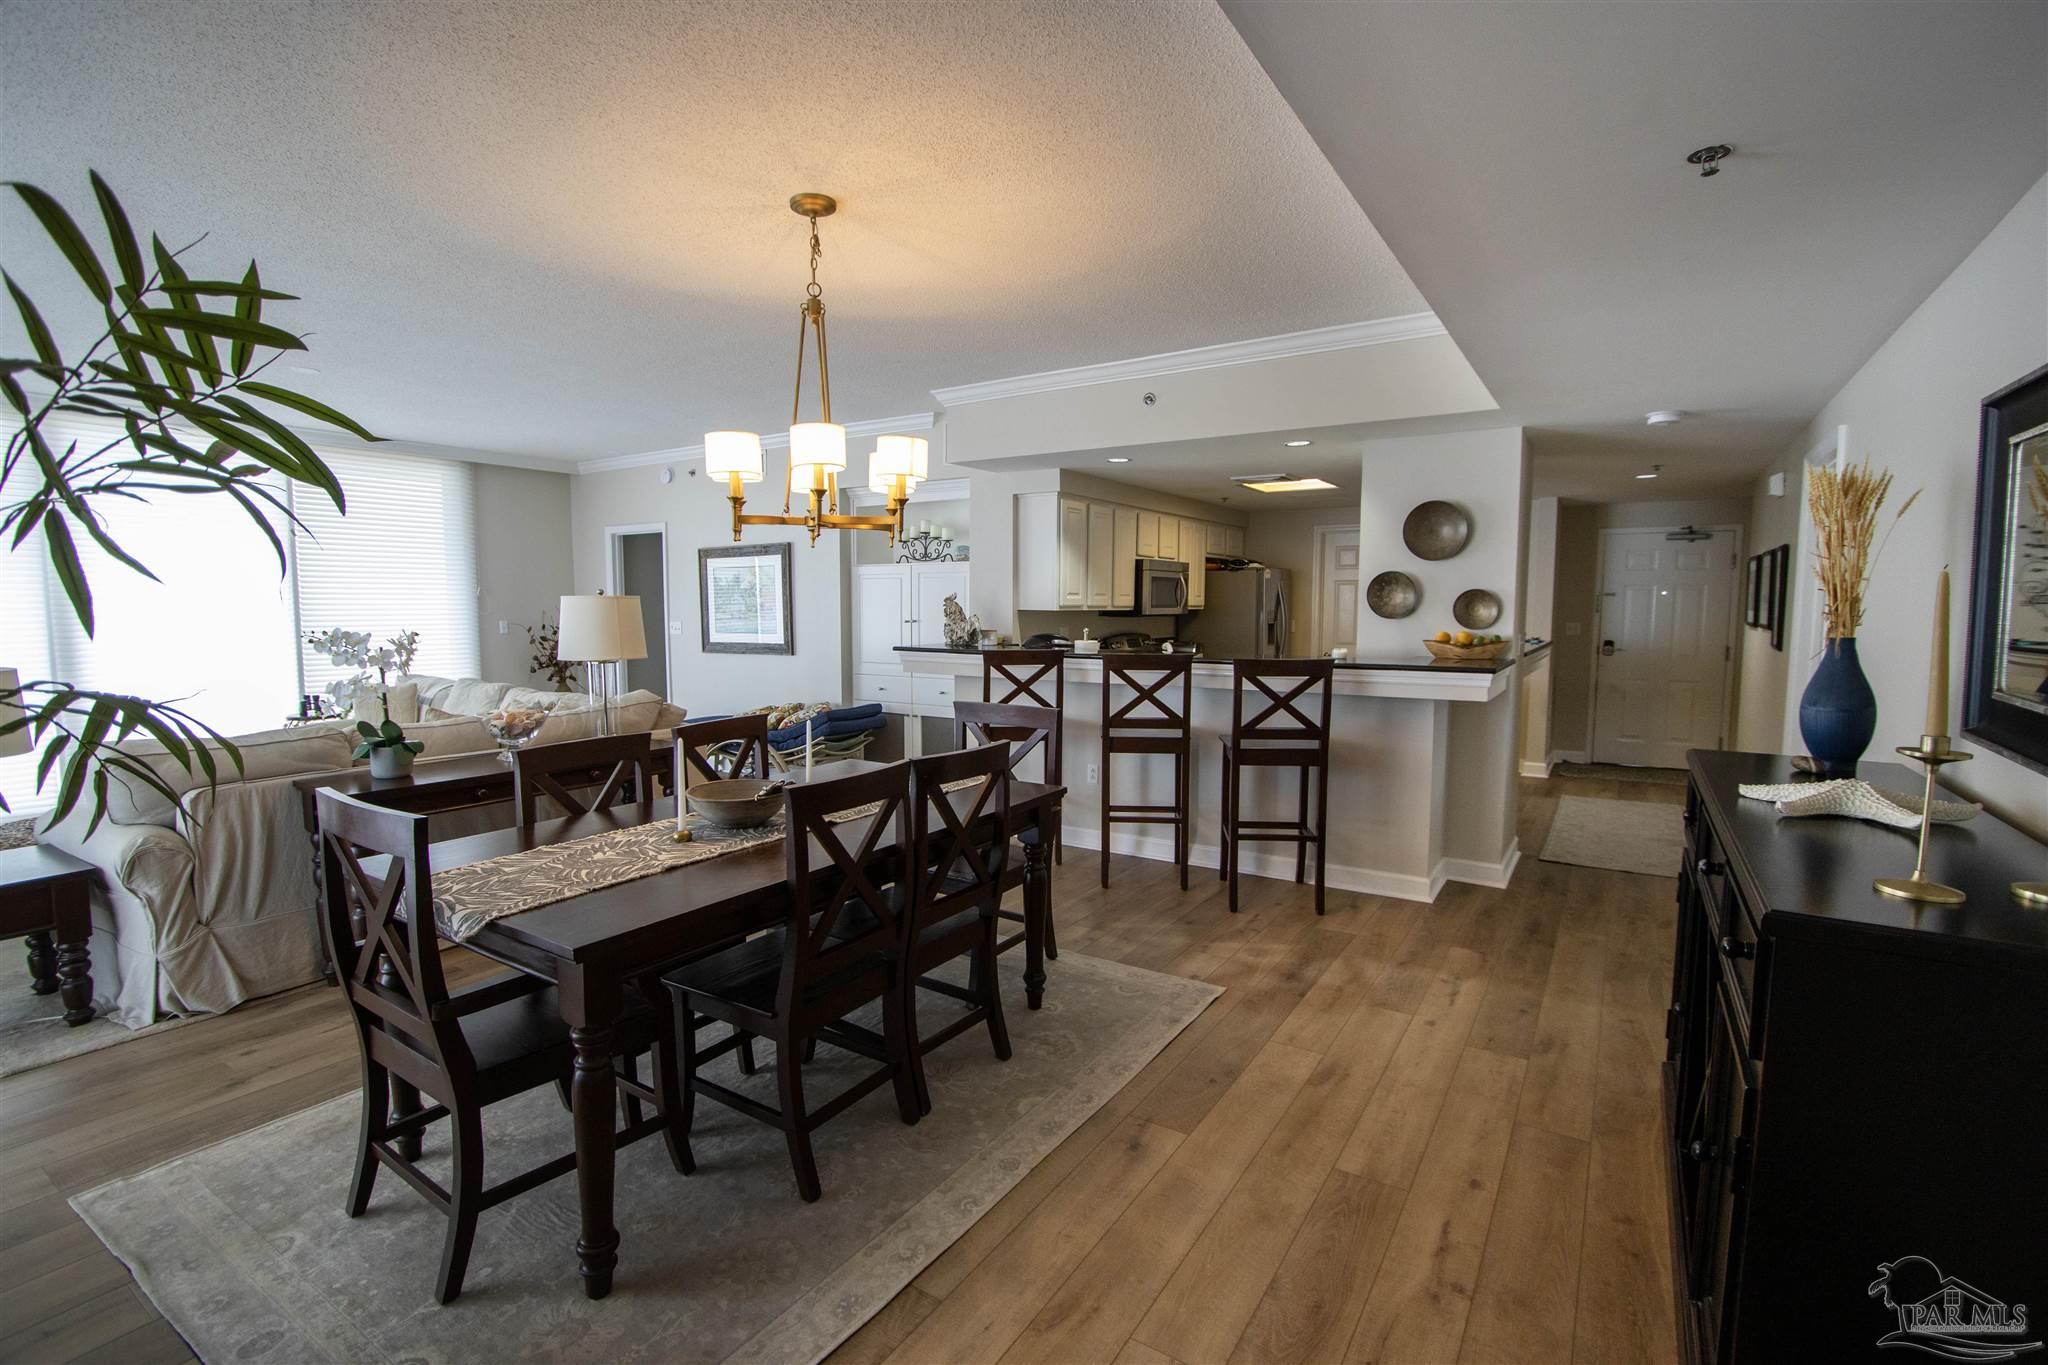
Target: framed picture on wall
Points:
(744, 600)
(1753, 592)
(1779, 580)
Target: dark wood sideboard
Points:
(1851, 1082)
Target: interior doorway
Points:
(1335, 590)
(1663, 648)
(638, 567)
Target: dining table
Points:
(593, 946)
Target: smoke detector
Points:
(1709, 159)
(1662, 417)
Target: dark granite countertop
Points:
(1419, 663)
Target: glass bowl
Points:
(513, 727)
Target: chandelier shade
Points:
(818, 443)
(733, 453)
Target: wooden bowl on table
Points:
(738, 802)
(1466, 653)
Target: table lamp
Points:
(16, 742)
(601, 630)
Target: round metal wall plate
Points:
(1476, 609)
(1393, 594)
(1436, 530)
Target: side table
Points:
(44, 894)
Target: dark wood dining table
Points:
(593, 945)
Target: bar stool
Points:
(1149, 724)
(1032, 677)
(1280, 735)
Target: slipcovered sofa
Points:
(203, 907)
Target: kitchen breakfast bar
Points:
(1421, 771)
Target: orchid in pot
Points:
(389, 751)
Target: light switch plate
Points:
(503, 627)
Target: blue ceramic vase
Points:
(1838, 711)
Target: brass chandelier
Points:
(817, 450)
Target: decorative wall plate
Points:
(1393, 594)
(1436, 530)
(1476, 609)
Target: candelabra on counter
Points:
(928, 544)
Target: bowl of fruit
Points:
(1462, 646)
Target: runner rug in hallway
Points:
(245, 1248)
(1626, 836)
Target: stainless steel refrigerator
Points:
(1248, 613)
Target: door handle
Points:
(1609, 647)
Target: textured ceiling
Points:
(1526, 162)
(560, 229)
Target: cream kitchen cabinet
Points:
(1169, 537)
(1098, 591)
(1123, 578)
(1148, 535)
(1233, 540)
(1194, 549)
(1079, 554)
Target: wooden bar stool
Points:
(1279, 735)
(1149, 724)
(1032, 677)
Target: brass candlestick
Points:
(2031, 893)
(1932, 754)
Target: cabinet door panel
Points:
(1123, 558)
(1194, 548)
(885, 614)
(1073, 553)
(1101, 554)
(1216, 539)
(930, 585)
(1169, 537)
(1148, 535)
(1233, 540)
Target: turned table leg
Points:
(71, 909)
(593, 1095)
(42, 964)
(1037, 895)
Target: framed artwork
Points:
(2005, 679)
(1778, 582)
(744, 600)
(1753, 592)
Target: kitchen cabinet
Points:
(1101, 556)
(930, 585)
(1233, 541)
(1148, 535)
(1073, 553)
(1169, 537)
(1123, 578)
(1216, 539)
(883, 618)
(1194, 549)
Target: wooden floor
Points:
(1405, 1133)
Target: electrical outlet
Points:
(675, 627)
(1094, 775)
(503, 627)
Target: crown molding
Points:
(1345, 336)
(778, 440)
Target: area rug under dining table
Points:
(245, 1249)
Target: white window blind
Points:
(404, 558)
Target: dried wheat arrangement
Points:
(1844, 504)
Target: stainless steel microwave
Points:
(1162, 587)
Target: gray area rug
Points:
(1626, 836)
(32, 1028)
(244, 1246)
(1620, 772)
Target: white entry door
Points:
(1336, 622)
(1661, 673)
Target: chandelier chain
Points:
(817, 251)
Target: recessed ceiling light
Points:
(1662, 417)
(1655, 470)
(1280, 483)
(1119, 459)
(1301, 443)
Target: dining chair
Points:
(1280, 734)
(961, 845)
(1150, 721)
(627, 762)
(1032, 677)
(1025, 729)
(699, 739)
(464, 1049)
(841, 949)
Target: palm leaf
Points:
(57, 223)
(126, 253)
(32, 322)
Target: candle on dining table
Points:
(1937, 674)
(807, 749)
(682, 830)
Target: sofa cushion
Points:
(471, 696)
(403, 701)
(431, 688)
(266, 753)
(459, 735)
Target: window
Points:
(219, 633)
(404, 558)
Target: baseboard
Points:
(1280, 866)
(1570, 756)
(1531, 768)
(1479, 873)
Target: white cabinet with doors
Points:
(901, 604)
(1194, 537)
(1233, 541)
(930, 585)
(1101, 556)
(1169, 537)
(1148, 535)
(1073, 553)
(1123, 578)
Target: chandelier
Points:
(817, 450)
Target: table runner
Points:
(467, 898)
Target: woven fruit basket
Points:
(1466, 653)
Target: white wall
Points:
(1913, 409)
(522, 561)
(1540, 569)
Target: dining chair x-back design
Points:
(1279, 734)
(1150, 721)
(622, 765)
(1026, 730)
(1032, 677)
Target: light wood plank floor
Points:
(1406, 1133)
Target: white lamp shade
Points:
(906, 455)
(601, 629)
(733, 452)
(17, 743)
(803, 478)
(819, 443)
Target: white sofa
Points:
(204, 907)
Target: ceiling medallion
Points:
(817, 450)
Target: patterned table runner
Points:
(467, 898)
